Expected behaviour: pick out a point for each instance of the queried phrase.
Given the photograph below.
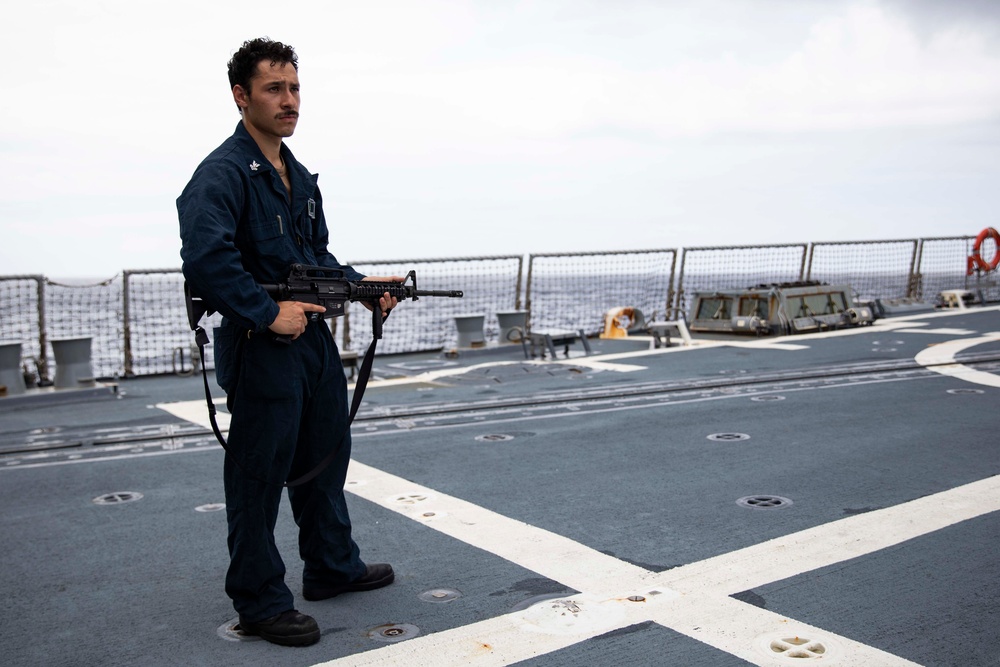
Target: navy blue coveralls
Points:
(239, 230)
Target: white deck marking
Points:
(550, 555)
(693, 599)
(834, 542)
(941, 359)
(941, 331)
(598, 364)
(196, 413)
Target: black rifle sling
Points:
(201, 339)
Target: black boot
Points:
(289, 628)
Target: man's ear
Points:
(241, 96)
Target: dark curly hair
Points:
(243, 64)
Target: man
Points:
(248, 213)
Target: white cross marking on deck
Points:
(693, 599)
(941, 359)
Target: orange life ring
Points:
(976, 261)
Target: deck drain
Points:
(728, 437)
(789, 648)
(767, 397)
(118, 498)
(395, 632)
(210, 507)
(231, 632)
(764, 502)
(494, 437)
(440, 595)
(961, 392)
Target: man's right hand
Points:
(293, 316)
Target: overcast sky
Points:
(482, 127)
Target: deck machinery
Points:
(779, 309)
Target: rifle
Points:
(331, 289)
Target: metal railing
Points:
(138, 323)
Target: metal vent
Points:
(728, 437)
(440, 595)
(798, 647)
(118, 498)
(210, 507)
(494, 437)
(395, 632)
(764, 502)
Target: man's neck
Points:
(269, 145)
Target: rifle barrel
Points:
(455, 294)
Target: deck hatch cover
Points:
(764, 502)
(788, 648)
(210, 507)
(728, 437)
(440, 595)
(117, 498)
(395, 632)
(494, 437)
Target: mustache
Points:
(289, 114)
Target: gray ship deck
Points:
(741, 501)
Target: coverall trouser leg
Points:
(289, 411)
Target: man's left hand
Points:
(386, 302)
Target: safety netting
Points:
(874, 269)
(716, 268)
(572, 291)
(490, 285)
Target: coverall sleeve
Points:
(209, 211)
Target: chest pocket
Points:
(266, 229)
(268, 236)
(267, 226)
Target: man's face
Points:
(271, 106)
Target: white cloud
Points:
(552, 121)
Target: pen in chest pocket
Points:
(281, 229)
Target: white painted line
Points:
(196, 412)
(831, 543)
(769, 344)
(693, 599)
(431, 376)
(553, 556)
(737, 628)
(503, 640)
(940, 359)
(942, 331)
(598, 365)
